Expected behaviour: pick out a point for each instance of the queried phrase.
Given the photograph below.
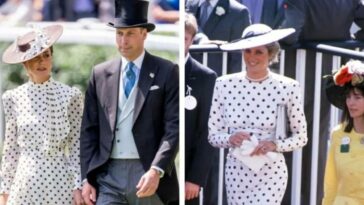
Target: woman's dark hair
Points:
(346, 115)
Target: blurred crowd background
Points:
(17, 12)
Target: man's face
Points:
(188, 41)
(130, 41)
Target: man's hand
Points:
(89, 194)
(77, 197)
(191, 190)
(148, 183)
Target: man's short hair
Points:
(190, 24)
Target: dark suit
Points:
(155, 118)
(272, 13)
(197, 149)
(226, 27)
(323, 20)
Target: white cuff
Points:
(160, 171)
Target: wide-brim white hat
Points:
(32, 44)
(257, 35)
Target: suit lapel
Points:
(191, 77)
(148, 72)
(189, 71)
(214, 18)
(192, 7)
(113, 78)
(280, 15)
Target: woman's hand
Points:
(3, 199)
(77, 197)
(237, 138)
(264, 147)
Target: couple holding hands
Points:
(119, 141)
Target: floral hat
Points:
(349, 75)
(32, 44)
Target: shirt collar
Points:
(212, 3)
(186, 57)
(137, 62)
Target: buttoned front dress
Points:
(40, 162)
(242, 105)
(344, 172)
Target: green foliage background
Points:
(72, 64)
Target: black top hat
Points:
(130, 14)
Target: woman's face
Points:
(355, 103)
(39, 68)
(257, 58)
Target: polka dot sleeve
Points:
(10, 146)
(218, 131)
(297, 121)
(75, 109)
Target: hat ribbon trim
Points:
(249, 35)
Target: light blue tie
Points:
(129, 79)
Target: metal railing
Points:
(337, 50)
(97, 34)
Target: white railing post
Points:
(201, 196)
(316, 129)
(335, 112)
(297, 154)
(204, 58)
(224, 63)
(222, 151)
(281, 61)
(221, 176)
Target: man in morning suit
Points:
(222, 20)
(129, 134)
(199, 86)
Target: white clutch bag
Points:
(255, 162)
(281, 127)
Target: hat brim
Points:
(149, 26)
(256, 41)
(13, 56)
(335, 94)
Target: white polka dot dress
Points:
(40, 162)
(243, 105)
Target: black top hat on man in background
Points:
(131, 14)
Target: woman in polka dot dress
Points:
(40, 161)
(244, 105)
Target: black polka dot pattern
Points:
(244, 186)
(40, 163)
(242, 105)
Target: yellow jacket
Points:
(344, 173)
